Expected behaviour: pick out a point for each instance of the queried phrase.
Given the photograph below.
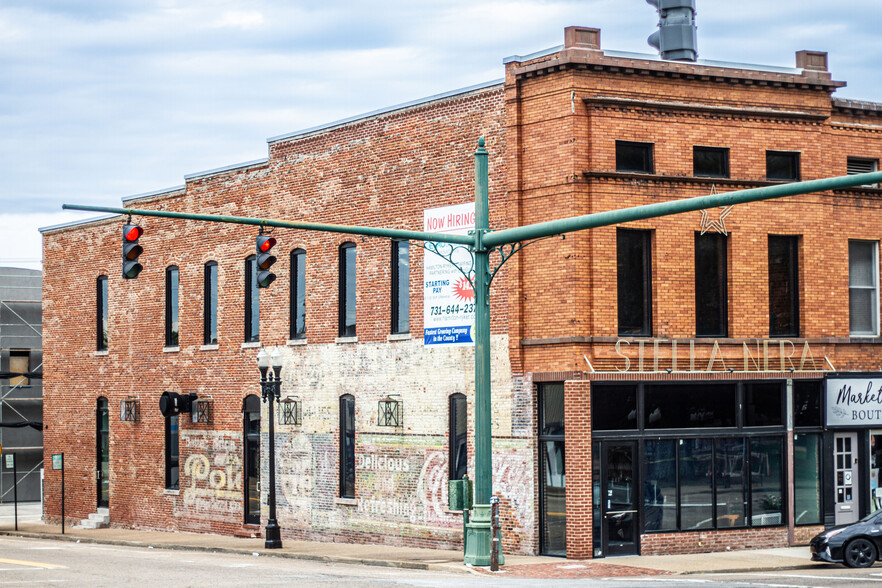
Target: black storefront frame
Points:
(740, 431)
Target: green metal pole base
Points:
(478, 537)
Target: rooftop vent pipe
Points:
(675, 38)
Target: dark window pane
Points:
(633, 157)
(172, 456)
(613, 407)
(763, 404)
(210, 304)
(347, 290)
(347, 446)
(252, 301)
(634, 282)
(660, 487)
(458, 437)
(862, 288)
(596, 519)
(783, 286)
(711, 310)
(710, 162)
(400, 287)
(696, 488)
(552, 398)
(690, 406)
(102, 314)
(171, 307)
(298, 294)
(782, 165)
(554, 519)
(766, 469)
(807, 403)
(807, 475)
(731, 482)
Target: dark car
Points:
(857, 545)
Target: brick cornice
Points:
(658, 178)
(600, 340)
(706, 110)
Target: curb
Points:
(401, 564)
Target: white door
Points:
(846, 477)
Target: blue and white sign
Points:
(448, 298)
(854, 402)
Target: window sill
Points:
(251, 345)
(172, 492)
(173, 349)
(346, 501)
(399, 337)
(104, 353)
(213, 347)
(345, 340)
(295, 342)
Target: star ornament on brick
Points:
(718, 224)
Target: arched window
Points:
(347, 289)
(298, 294)
(171, 306)
(210, 304)
(101, 314)
(251, 435)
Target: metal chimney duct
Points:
(675, 38)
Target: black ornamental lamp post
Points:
(270, 388)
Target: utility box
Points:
(459, 496)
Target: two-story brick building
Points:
(676, 372)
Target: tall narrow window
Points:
(252, 301)
(171, 306)
(458, 436)
(347, 446)
(634, 282)
(783, 286)
(863, 288)
(552, 475)
(210, 304)
(347, 290)
(400, 287)
(298, 294)
(782, 165)
(172, 455)
(19, 363)
(711, 292)
(101, 314)
(634, 157)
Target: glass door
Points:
(102, 453)
(251, 436)
(619, 498)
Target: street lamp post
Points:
(270, 388)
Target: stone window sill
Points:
(174, 349)
(399, 337)
(171, 492)
(213, 347)
(345, 340)
(103, 353)
(346, 501)
(296, 342)
(251, 345)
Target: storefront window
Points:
(763, 404)
(696, 484)
(691, 406)
(807, 403)
(731, 483)
(766, 485)
(875, 464)
(807, 478)
(613, 407)
(595, 499)
(660, 486)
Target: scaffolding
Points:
(21, 384)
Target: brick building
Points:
(696, 367)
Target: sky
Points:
(105, 99)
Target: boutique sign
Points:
(854, 402)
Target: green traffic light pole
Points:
(481, 243)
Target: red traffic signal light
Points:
(264, 260)
(131, 250)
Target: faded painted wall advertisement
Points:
(854, 402)
(448, 299)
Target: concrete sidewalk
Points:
(415, 558)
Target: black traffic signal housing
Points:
(172, 403)
(131, 250)
(265, 259)
(676, 37)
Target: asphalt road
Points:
(36, 562)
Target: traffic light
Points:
(264, 260)
(676, 37)
(131, 250)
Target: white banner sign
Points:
(854, 402)
(448, 298)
